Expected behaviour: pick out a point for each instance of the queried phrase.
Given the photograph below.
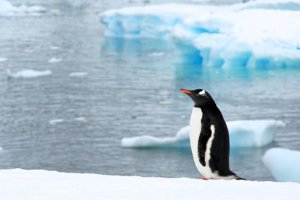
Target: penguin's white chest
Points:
(195, 130)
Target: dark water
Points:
(131, 89)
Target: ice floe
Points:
(8, 9)
(16, 184)
(56, 121)
(243, 133)
(80, 119)
(54, 60)
(254, 34)
(284, 164)
(78, 74)
(2, 59)
(28, 73)
(54, 47)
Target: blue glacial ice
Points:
(243, 133)
(8, 9)
(284, 164)
(254, 34)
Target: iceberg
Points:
(224, 36)
(243, 133)
(284, 164)
(28, 73)
(7, 9)
(16, 184)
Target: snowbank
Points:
(283, 164)
(7, 9)
(243, 133)
(28, 73)
(226, 36)
(48, 185)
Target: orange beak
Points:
(186, 91)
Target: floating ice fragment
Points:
(243, 133)
(3, 59)
(78, 74)
(80, 119)
(55, 121)
(54, 47)
(55, 60)
(7, 9)
(28, 73)
(284, 164)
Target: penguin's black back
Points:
(220, 147)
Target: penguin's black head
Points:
(199, 96)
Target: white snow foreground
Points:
(8, 9)
(242, 133)
(284, 164)
(49, 185)
(226, 36)
(28, 73)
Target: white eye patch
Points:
(202, 92)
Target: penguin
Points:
(209, 137)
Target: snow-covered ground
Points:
(254, 34)
(8, 9)
(243, 133)
(284, 164)
(49, 185)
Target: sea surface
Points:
(103, 89)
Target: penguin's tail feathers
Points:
(239, 178)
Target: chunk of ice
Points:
(242, 133)
(28, 73)
(225, 36)
(284, 164)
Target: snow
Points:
(225, 36)
(8, 9)
(50, 185)
(243, 133)
(78, 74)
(54, 60)
(284, 164)
(28, 73)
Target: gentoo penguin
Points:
(209, 137)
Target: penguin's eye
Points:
(202, 93)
